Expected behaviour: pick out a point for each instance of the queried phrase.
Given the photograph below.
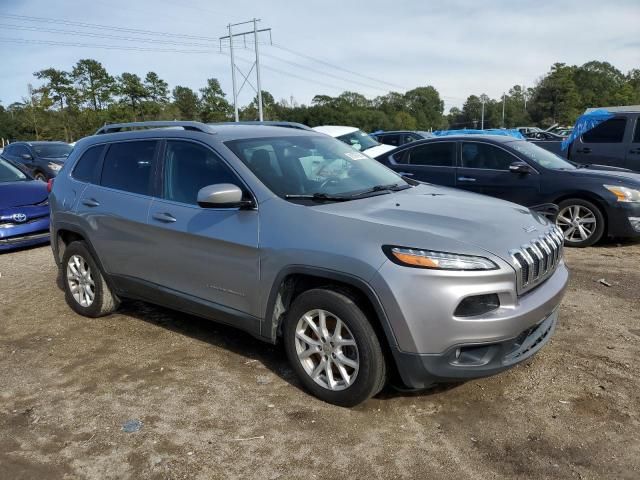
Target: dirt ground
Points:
(215, 403)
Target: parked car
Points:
(271, 123)
(549, 141)
(615, 142)
(24, 209)
(296, 238)
(592, 203)
(400, 137)
(43, 160)
(356, 138)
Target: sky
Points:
(321, 47)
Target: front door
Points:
(484, 169)
(207, 253)
(633, 151)
(602, 145)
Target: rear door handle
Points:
(584, 150)
(466, 179)
(90, 202)
(164, 217)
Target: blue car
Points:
(24, 209)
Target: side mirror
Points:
(519, 167)
(222, 195)
(26, 156)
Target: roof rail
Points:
(118, 127)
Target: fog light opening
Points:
(477, 305)
(635, 223)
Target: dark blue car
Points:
(592, 202)
(24, 209)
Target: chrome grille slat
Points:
(537, 260)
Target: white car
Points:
(356, 138)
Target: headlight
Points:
(412, 257)
(624, 194)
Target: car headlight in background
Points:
(417, 258)
(624, 194)
(54, 166)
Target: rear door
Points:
(632, 160)
(116, 208)
(433, 162)
(208, 253)
(604, 144)
(484, 168)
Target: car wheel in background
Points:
(85, 290)
(582, 222)
(333, 348)
(40, 176)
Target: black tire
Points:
(40, 176)
(371, 374)
(583, 205)
(104, 301)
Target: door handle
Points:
(466, 179)
(405, 174)
(164, 217)
(90, 202)
(584, 150)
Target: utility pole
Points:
(482, 115)
(503, 101)
(256, 63)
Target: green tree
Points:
(96, 87)
(425, 105)
(556, 97)
(185, 101)
(131, 90)
(156, 88)
(214, 107)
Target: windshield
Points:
(9, 173)
(54, 150)
(312, 165)
(542, 157)
(358, 140)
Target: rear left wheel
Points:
(581, 222)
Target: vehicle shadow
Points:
(618, 242)
(226, 337)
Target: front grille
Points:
(538, 259)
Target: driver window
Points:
(190, 167)
(485, 156)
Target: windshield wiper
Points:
(392, 187)
(318, 197)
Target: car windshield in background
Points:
(53, 150)
(359, 140)
(9, 173)
(542, 157)
(309, 166)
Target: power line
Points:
(93, 45)
(105, 27)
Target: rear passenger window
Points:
(636, 135)
(609, 131)
(129, 166)
(189, 167)
(485, 156)
(86, 167)
(439, 154)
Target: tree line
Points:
(67, 105)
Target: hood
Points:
(378, 150)
(445, 219)
(18, 194)
(615, 176)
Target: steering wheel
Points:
(329, 181)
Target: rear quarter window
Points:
(609, 131)
(86, 167)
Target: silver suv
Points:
(364, 276)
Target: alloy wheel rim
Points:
(80, 281)
(578, 223)
(327, 350)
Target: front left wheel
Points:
(333, 348)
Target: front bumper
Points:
(34, 232)
(465, 362)
(618, 220)
(431, 345)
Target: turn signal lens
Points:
(624, 194)
(412, 257)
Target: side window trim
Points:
(161, 164)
